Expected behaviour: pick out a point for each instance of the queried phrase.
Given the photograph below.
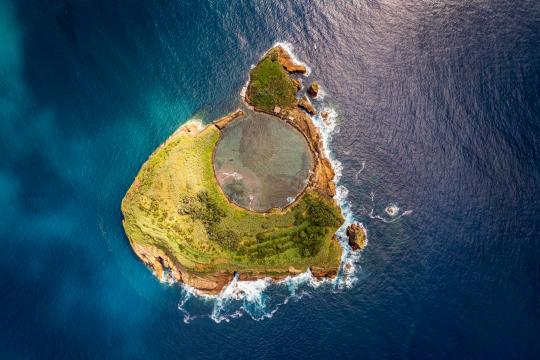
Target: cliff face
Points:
(160, 262)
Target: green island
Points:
(181, 221)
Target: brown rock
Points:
(325, 116)
(306, 105)
(313, 89)
(287, 62)
(297, 83)
(156, 259)
(321, 273)
(277, 110)
(357, 236)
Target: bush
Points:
(206, 209)
(226, 238)
(320, 213)
(202, 207)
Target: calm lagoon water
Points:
(436, 108)
(261, 162)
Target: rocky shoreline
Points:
(321, 180)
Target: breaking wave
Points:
(261, 299)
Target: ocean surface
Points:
(436, 107)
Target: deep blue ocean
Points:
(438, 111)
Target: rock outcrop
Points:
(159, 262)
(357, 236)
(288, 63)
(306, 105)
(313, 89)
(322, 273)
(326, 117)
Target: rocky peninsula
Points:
(181, 224)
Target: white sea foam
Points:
(356, 177)
(260, 299)
(321, 94)
(392, 210)
(167, 277)
(243, 93)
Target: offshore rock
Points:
(313, 89)
(357, 236)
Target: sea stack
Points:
(357, 236)
(313, 89)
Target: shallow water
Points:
(261, 162)
(436, 109)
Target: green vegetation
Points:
(176, 205)
(270, 85)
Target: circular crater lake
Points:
(261, 162)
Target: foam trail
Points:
(392, 210)
(360, 171)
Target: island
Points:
(249, 195)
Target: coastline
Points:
(321, 180)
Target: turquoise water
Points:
(261, 162)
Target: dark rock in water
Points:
(313, 89)
(357, 237)
(306, 105)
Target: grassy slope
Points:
(271, 85)
(164, 208)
